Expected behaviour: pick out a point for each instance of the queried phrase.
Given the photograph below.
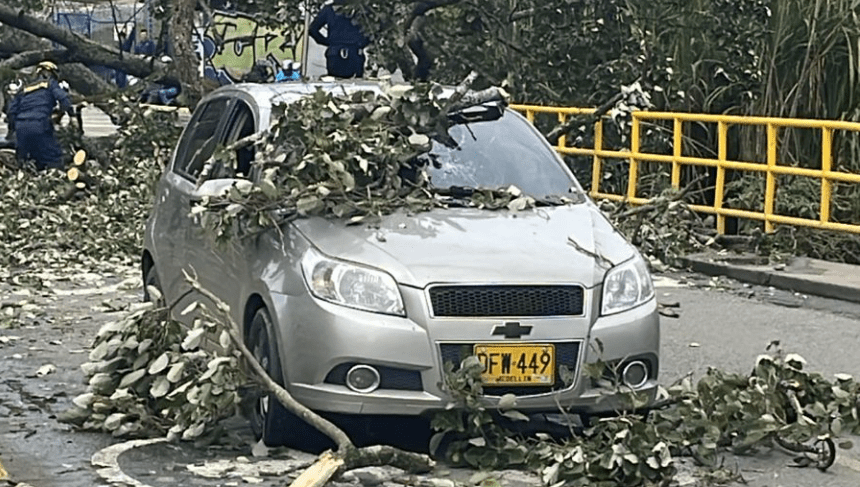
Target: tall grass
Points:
(811, 69)
(782, 58)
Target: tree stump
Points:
(77, 174)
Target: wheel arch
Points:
(254, 302)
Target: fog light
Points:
(635, 374)
(362, 378)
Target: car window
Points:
(496, 154)
(199, 139)
(241, 125)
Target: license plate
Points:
(517, 364)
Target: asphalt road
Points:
(726, 326)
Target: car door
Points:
(222, 267)
(198, 141)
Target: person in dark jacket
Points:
(144, 45)
(30, 113)
(344, 43)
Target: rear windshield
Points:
(496, 154)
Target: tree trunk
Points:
(185, 59)
(83, 80)
(79, 49)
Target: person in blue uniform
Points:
(144, 45)
(344, 43)
(30, 113)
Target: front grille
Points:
(566, 355)
(389, 377)
(491, 301)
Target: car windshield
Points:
(493, 154)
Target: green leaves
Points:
(46, 222)
(346, 156)
(779, 403)
(148, 377)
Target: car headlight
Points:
(351, 285)
(626, 286)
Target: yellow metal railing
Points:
(771, 168)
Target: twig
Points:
(329, 464)
(564, 128)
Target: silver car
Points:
(360, 319)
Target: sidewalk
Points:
(801, 274)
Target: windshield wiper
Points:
(455, 195)
(456, 191)
(477, 113)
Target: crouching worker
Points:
(30, 113)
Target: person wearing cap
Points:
(344, 43)
(30, 116)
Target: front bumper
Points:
(316, 339)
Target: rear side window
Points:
(199, 139)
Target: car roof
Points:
(267, 95)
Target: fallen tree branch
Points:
(562, 129)
(655, 203)
(79, 48)
(347, 456)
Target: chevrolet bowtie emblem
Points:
(512, 329)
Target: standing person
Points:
(144, 45)
(12, 90)
(30, 115)
(345, 43)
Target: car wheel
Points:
(270, 421)
(150, 279)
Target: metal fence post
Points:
(634, 161)
(826, 165)
(562, 141)
(719, 189)
(597, 159)
(677, 141)
(770, 185)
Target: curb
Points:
(762, 275)
(107, 462)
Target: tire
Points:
(270, 421)
(150, 278)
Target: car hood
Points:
(563, 244)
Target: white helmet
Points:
(14, 87)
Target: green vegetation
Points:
(777, 405)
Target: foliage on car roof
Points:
(339, 155)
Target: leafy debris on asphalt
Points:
(48, 223)
(779, 404)
(148, 376)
